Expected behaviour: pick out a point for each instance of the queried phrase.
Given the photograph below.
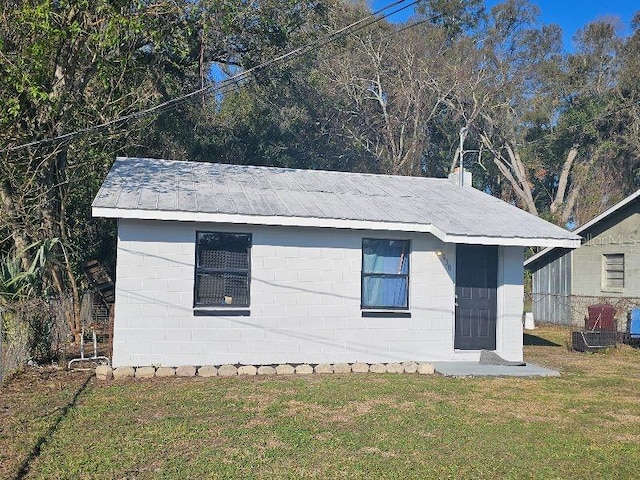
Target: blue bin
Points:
(634, 324)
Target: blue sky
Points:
(569, 14)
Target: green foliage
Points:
(18, 283)
(14, 282)
(385, 99)
(454, 15)
(31, 327)
(31, 331)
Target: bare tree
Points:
(381, 93)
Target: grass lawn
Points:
(583, 424)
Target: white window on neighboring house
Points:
(613, 271)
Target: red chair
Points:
(601, 317)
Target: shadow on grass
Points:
(536, 341)
(37, 448)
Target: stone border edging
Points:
(104, 372)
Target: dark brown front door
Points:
(476, 294)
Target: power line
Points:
(395, 31)
(231, 81)
(580, 124)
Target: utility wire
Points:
(233, 80)
(338, 53)
(580, 124)
(232, 83)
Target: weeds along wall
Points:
(34, 329)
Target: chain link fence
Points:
(37, 330)
(571, 310)
(33, 330)
(622, 305)
(603, 330)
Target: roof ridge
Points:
(288, 169)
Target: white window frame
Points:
(612, 267)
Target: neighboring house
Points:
(605, 269)
(220, 264)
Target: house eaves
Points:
(149, 189)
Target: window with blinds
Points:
(385, 273)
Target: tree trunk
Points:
(514, 171)
(21, 240)
(569, 205)
(563, 180)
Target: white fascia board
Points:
(514, 241)
(549, 248)
(538, 255)
(201, 217)
(589, 224)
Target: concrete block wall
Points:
(510, 303)
(305, 300)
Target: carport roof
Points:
(152, 189)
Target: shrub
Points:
(15, 344)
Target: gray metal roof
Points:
(194, 191)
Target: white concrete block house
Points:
(227, 264)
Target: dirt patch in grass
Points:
(629, 437)
(253, 402)
(348, 413)
(377, 451)
(505, 410)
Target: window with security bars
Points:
(222, 269)
(613, 271)
(385, 273)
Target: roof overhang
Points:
(537, 256)
(338, 223)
